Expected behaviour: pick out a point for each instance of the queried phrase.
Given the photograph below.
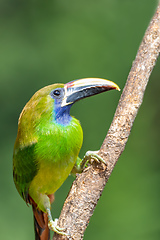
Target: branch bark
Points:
(88, 186)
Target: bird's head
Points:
(60, 97)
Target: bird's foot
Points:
(53, 225)
(94, 155)
(89, 155)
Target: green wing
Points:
(24, 169)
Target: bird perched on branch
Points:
(47, 146)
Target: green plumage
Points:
(45, 152)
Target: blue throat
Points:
(62, 114)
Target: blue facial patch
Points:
(62, 114)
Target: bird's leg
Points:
(44, 204)
(77, 167)
(81, 164)
(53, 224)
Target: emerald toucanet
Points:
(47, 146)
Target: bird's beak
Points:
(85, 87)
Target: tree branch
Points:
(88, 186)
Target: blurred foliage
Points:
(43, 42)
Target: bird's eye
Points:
(56, 92)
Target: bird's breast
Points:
(56, 152)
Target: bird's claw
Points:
(91, 155)
(94, 155)
(54, 227)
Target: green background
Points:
(43, 42)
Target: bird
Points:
(47, 146)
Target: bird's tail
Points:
(40, 223)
